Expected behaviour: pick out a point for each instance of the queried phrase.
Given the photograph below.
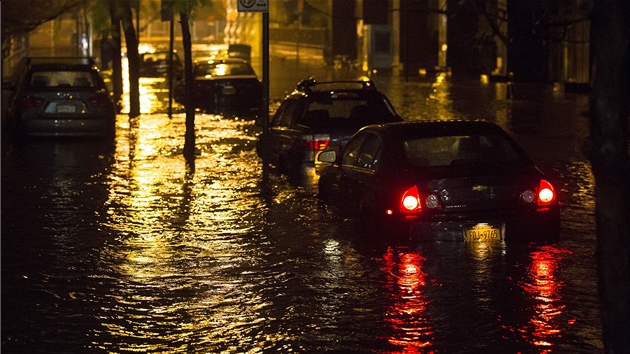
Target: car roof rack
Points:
(312, 85)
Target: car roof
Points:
(432, 128)
(64, 63)
(311, 86)
(61, 66)
(221, 60)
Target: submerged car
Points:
(441, 180)
(226, 86)
(60, 97)
(318, 117)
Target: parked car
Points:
(59, 97)
(446, 180)
(155, 64)
(318, 117)
(225, 86)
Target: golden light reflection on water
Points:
(180, 230)
(441, 93)
(154, 93)
(405, 283)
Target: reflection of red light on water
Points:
(406, 315)
(541, 283)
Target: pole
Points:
(171, 45)
(264, 113)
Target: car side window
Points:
(350, 155)
(276, 117)
(286, 112)
(281, 113)
(370, 152)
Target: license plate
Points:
(64, 108)
(229, 90)
(482, 232)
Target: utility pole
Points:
(396, 36)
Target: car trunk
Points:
(339, 130)
(479, 189)
(244, 90)
(75, 104)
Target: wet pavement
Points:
(124, 246)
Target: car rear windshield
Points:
(64, 79)
(460, 149)
(357, 111)
(223, 69)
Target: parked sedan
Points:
(60, 97)
(226, 86)
(156, 64)
(318, 117)
(446, 180)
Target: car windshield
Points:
(359, 110)
(63, 78)
(460, 149)
(223, 69)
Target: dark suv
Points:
(321, 116)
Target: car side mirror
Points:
(327, 156)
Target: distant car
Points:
(224, 86)
(155, 64)
(319, 117)
(60, 97)
(445, 180)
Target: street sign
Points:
(253, 5)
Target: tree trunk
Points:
(115, 41)
(133, 58)
(608, 148)
(189, 82)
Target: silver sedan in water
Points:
(60, 97)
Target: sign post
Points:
(262, 6)
(253, 6)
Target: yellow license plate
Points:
(66, 109)
(482, 232)
(229, 90)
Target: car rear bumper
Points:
(67, 127)
(535, 226)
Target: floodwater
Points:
(124, 246)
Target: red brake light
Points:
(315, 142)
(410, 201)
(546, 193)
(30, 102)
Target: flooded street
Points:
(124, 246)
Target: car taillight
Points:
(101, 100)
(30, 102)
(546, 193)
(410, 201)
(315, 142)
